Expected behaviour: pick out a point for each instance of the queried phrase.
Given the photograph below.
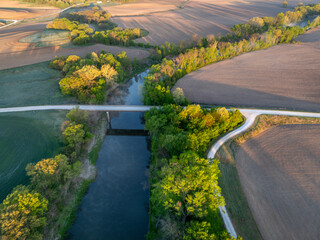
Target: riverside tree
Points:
(22, 214)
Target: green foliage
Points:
(88, 78)
(117, 36)
(48, 175)
(78, 116)
(184, 186)
(22, 214)
(82, 34)
(92, 16)
(74, 137)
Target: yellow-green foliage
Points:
(185, 194)
(22, 214)
(74, 137)
(89, 78)
(285, 4)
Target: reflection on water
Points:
(116, 205)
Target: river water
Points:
(116, 205)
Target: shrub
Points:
(284, 4)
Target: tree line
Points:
(258, 33)
(89, 78)
(81, 33)
(28, 210)
(185, 194)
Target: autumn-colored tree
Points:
(74, 137)
(22, 214)
(49, 174)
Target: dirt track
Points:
(15, 54)
(201, 17)
(284, 76)
(280, 175)
(17, 10)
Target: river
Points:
(117, 202)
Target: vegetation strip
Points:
(258, 33)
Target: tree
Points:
(284, 4)
(178, 96)
(74, 138)
(189, 187)
(78, 116)
(48, 174)
(22, 214)
(198, 231)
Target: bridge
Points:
(250, 115)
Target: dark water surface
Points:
(116, 205)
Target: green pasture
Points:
(35, 84)
(26, 137)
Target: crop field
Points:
(280, 174)
(144, 7)
(31, 85)
(17, 10)
(201, 17)
(24, 138)
(284, 76)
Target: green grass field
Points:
(35, 84)
(24, 138)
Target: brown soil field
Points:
(280, 175)
(201, 17)
(143, 7)
(17, 10)
(16, 54)
(281, 77)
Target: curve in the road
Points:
(250, 115)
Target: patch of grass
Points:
(67, 217)
(35, 84)
(24, 138)
(94, 153)
(48, 38)
(236, 202)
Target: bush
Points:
(284, 4)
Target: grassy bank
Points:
(61, 223)
(236, 202)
